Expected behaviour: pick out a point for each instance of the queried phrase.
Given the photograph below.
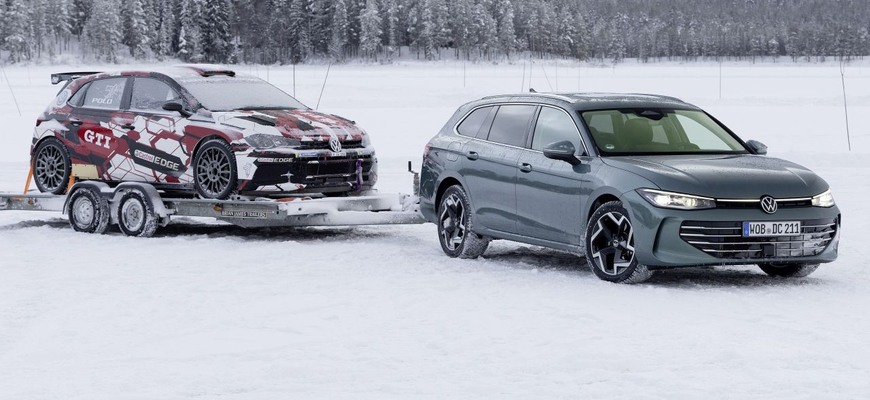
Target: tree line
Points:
(293, 31)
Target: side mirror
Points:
(757, 147)
(563, 150)
(175, 106)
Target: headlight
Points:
(366, 142)
(826, 199)
(264, 141)
(679, 201)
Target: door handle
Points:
(472, 155)
(128, 127)
(526, 167)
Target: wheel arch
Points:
(444, 185)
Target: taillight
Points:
(426, 150)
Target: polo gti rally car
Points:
(196, 128)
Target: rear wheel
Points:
(135, 216)
(88, 211)
(455, 226)
(788, 270)
(51, 167)
(610, 250)
(214, 170)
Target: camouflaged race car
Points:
(196, 129)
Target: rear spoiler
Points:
(68, 76)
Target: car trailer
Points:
(139, 208)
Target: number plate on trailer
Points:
(779, 228)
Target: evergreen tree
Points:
(16, 40)
(338, 42)
(370, 30)
(102, 32)
(217, 46)
(507, 40)
(135, 27)
(188, 32)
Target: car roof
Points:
(180, 72)
(598, 101)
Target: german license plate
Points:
(779, 228)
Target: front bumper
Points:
(674, 238)
(307, 172)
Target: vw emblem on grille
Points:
(768, 204)
(335, 145)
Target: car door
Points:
(489, 166)
(154, 142)
(550, 192)
(93, 120)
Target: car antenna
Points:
(532, 90)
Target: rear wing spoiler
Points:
(68, 76)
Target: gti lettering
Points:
(97, 138)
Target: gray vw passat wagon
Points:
(635, 182)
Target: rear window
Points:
(105, 94)
(511, 125)
(472, 123)
(222, 93)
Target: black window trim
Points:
(492, 118)
(535, 124)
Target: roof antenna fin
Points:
(532, 90)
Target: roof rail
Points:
(660, 96)
(68, 76)
(555, 96)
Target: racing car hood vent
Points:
(259, 120)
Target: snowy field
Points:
(212, 311)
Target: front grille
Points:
(323, 145)
(725, 240)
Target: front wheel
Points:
(788, 270)
(610, 246)
(214, 170)
(455, 223)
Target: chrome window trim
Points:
(759, 200)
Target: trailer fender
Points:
(99, 187)
(151, 196)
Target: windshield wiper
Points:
(267, 108)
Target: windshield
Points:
(223, 93)
(656, 131)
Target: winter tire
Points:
(88, 211)
(135, 215)
(456, 226)
(51, 167)
(788, 270)
(610, 243)
(214, 170)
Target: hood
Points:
(741, 176)
(303, 125)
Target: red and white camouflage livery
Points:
(196, 128)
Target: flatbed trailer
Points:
(139, 208)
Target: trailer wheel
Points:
(88, 211)
(135, 215)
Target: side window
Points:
(105, 94)
(150, 95)
(76, 100)
(511, 124)
(554, 126)
(472, 123)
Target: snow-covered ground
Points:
(211, 311)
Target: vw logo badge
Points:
(768, 204)
(334, 145)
